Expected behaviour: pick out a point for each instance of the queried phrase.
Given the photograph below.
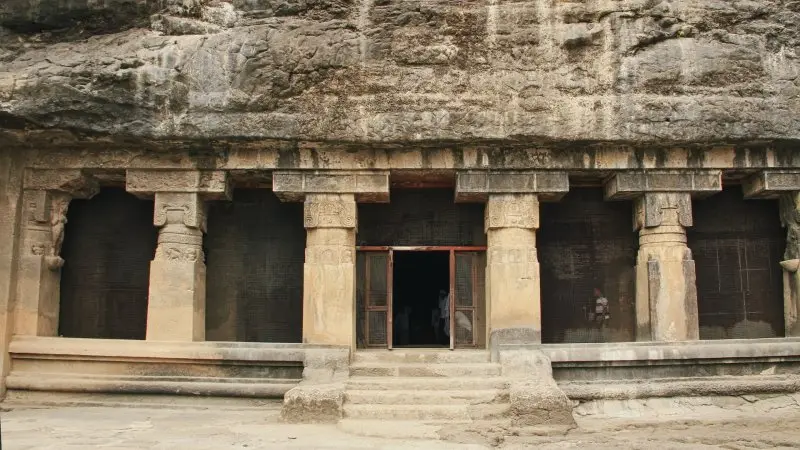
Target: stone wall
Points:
(630, 71)
(10, 206)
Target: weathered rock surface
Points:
(373, 71)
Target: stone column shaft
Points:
(512, 270)
(790, 216)
(666, 293)
(176, 308)
(329, 270)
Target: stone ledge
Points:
(680, 387)
(625, 185)
(475, 186)
(688, 350)
(205, 386)
(769, 184)
(367, 185)
(77, 348)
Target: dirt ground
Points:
(125, 427)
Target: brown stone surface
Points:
(771, 183)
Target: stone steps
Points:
(424, 412)
(421, 357)
(424, 370)
(425, 383)
(426, 397)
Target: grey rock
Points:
(313, 403)
(374, 71)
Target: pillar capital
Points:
(330, 211)
(478, 185)
(630, 184)
(369, 186)
(770, 184)
(662, 208)
(512, 211)
(211, 184)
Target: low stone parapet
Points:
(234, 369)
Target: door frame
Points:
(451, 249)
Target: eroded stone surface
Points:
(627, 70)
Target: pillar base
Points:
(313, 403)
(517, 335)
(535, 397)
(176, 309)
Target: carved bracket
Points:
(212, 184)
(656, 209)
(631, 184)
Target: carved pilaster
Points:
(46, 196)
(790, 217)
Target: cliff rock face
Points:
(634, 71)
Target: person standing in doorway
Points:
(444, 311)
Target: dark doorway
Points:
(419, 277)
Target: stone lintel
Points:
(770, 184)
(475, 186)
(211, 184)
(626, 185)
(75, 182)
(368, 186)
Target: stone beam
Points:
(770, 184)
(211, 184)
(626, 185)
(476, 186)
(371, 186)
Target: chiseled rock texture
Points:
(369, 71)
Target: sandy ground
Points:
(72, 427)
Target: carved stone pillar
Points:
(666, 292)
(177, 297)
(512, 268)
(329, 270)
(46, 197)
(177, 301)
(785, 186)
(328, 282)
(330, 220)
